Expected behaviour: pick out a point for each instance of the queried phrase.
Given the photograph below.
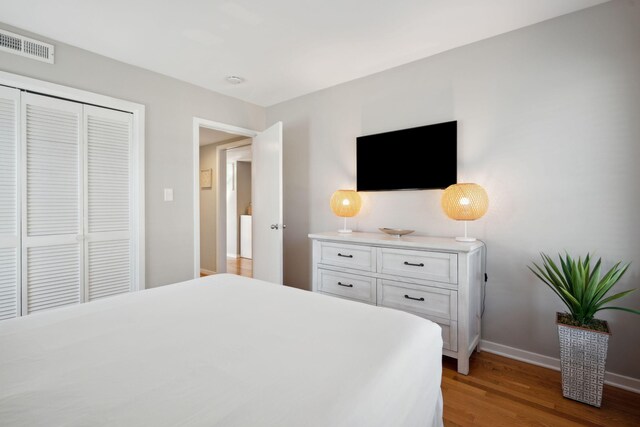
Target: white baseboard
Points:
(615, 380)
(232, 255)
(208, 272)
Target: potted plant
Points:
(583, 338)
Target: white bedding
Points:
(220, 351)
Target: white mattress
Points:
(220, 351)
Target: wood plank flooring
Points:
(504, 392)
(240, 266)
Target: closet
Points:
(66, 221)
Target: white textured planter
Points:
(583, 354)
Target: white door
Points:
(52, 267)
(107, 203)
(9, 203)
(266, 200)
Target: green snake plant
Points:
(581, 288)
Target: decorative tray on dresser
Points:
(437, 278)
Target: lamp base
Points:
(344, 229)
(465, 239)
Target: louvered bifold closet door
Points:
(52, 270)
(108, 219)
(9, 197)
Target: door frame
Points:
(221, 216)
(46, 88)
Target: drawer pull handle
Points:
(346, 285)
(345, 256)
(413, 265)
(415, 299)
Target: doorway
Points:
(219, 155)
(266, 197)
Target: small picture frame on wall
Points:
(205, 178)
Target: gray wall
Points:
(170, 108)
(244, 186)
(549, 124)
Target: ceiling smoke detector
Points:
(235, 80)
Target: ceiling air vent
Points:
(24, 46)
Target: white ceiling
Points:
(211, 136)
(283, 48)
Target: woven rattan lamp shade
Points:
(345, 203)
(465, 202)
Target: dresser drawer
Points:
(350, 256)
(352, 286)
(424, 300)
(436, 266)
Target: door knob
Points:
(274, 226)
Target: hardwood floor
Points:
(240, 266)
(505, 392)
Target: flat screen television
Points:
(421, 158)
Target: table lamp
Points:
(465, 202)
(345, 203)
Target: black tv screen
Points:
(421, 158)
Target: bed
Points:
(221, 351)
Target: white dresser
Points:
(437, 278)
